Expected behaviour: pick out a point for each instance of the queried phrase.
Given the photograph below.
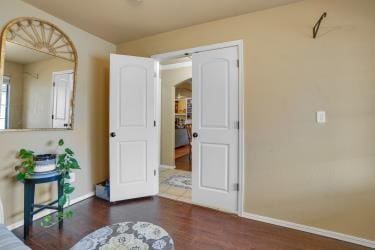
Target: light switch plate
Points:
(321, 117)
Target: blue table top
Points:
(49, 174)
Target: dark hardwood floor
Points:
(191, 227)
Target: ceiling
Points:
(124, 20)
(21, 55)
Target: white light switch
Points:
(321, 117)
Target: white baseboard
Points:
(313, 230)
(168, 167)
(49, 211)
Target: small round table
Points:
(29, 194)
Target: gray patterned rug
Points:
(182, 181)
(127, 236)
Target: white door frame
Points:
(241, 103)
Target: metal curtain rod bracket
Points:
(317, 25)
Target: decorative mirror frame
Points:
(17, 31)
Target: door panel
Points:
(133, 149)
(214, 94)
(214, 170)
(132, 95)
(133, 154)
(215, 118)
(62, 99)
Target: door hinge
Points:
(238, 63)
(237, 125)
(236, 187)
(53, 117)
(54, 84)
(154, 172)
(154, 123)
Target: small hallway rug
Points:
(127, 235)
(179, 180)
(175, 184)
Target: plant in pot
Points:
(65, 164)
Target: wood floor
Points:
(181, 151)
(183, 163)
(190, 226)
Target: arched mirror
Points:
(38, 71)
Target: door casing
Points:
(241, 105)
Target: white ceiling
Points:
(124, 20)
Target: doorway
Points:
(217, 125)
(62, 87)
(176, 135)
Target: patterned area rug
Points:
(127, 235)
(182, 181)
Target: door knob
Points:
(113, 134)
(195, 135)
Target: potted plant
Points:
(65, 164)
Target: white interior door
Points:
(133, 141)
(62, 99)
(215, 128)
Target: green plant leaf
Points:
(68, 190)
(73, 164)
(62, 157)
(21, 176)
(47, 218)
(69, 214)
(26, 155)
(62, 200)
(61, 142)
(69, 151)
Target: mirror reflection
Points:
(37, 90)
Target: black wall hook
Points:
(317, 25)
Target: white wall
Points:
(89, 137)
(37, 95)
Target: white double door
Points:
(134, 141)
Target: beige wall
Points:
(169, 78)
(37, 104)
(88, 139)
(322, 176)
(15, 71)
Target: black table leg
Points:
(28, 204)
(60, 189)
(32, 197)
